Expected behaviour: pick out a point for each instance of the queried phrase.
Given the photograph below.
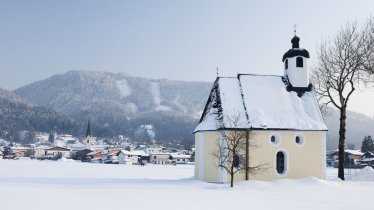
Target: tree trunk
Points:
(246, 155)
(342, 142)
(232, 175)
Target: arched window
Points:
(281, 162)
(299, 62)
(286, 64)
(236, 161)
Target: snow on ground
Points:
(71, 185)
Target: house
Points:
(180, 158)
(352, 158)
(131, 157)
(40, 151)
(367, 158)
(154, 149)
(96, 157)
(41, 137)
(160, 158)
(111, 156)
(63, 140)
(280, 112)
(19, 151)
(58, 152)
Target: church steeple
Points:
(88, 132)
(296, 65)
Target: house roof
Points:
(180, 156)
(58, 149)
(259, 102)
(134, 153)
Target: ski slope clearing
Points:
(71, 186)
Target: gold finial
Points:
(294, 28)
(217, 71)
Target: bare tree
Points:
(232, 151)
(345, 63)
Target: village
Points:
(94, 150)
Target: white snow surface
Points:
(123, 87)
(155, 89)
(366, 174)
(267, 103)
(36, 185)
(156, 93)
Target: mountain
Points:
(17, 114)
(358, 126)
(118, 103)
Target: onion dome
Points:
(295, 51)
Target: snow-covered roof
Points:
(134, 153)
(42, 147)
(181, 156)
(353, 152)
(259, 102)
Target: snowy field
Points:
(35, 185)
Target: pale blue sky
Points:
(182, 40)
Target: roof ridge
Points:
(266, 75)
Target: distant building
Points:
(180, 158)
(132, 157)
(90, 141)
(160, 158)
(58, 152)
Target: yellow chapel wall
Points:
(307, 159)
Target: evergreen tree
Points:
(51, 138)
(367, 144)
(6, 151)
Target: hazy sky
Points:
(184, 40)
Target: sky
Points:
(174, 39)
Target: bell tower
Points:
(295, 62)
(88, 139)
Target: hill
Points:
(17, 114)
(118, 103)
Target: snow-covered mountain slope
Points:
(358, 126)
(17, 114)
(118, 101)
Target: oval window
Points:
(299, 139)
(274, 139)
